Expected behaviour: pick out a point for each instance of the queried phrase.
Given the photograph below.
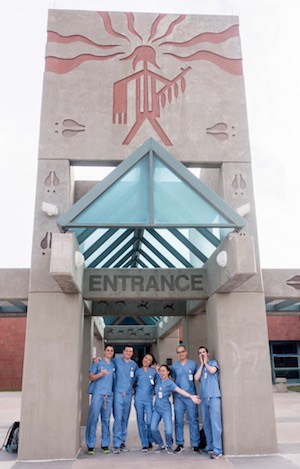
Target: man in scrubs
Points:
(125, 371)
(183, 372)
(210, 405)
(102, 376)
(145, 379)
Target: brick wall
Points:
(12, 341)
(284, 327)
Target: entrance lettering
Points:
(139, 283)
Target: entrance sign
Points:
(147, 283)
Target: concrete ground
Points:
(287, 412)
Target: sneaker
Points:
(195, 449)
(105, 450)
(170, 450)
(123, 448)
(159, 449)
(90, 451)
(144, 449)
(150, 446)
(216, 456)
(116, 451)
(179, 449)
(206, 450)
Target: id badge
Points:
(131, 374)
(160, 394)
(191, 377)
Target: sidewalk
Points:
(287, 412)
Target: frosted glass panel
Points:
(127, 201)
(175, 202)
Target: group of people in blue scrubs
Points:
(114, 380)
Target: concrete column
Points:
(194, 334)
(166, 348)
(50, 414)
(237, 338)
(99, 344)
(86, 362)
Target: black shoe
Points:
(150, 446)
(105, 449)
(179, 449)
(196, 449)
(144, 449)
(123, 448)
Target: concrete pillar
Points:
(166, 348)
(50, 414)
(237, 338)
(194, 334)
(86, 362)
(98, 344)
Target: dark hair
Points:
(202, 346)
(109, 345)
(153, 358)
(166, 366)
(127, 346)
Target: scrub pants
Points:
(211, 418)
(121, 409)
(100, 405)
(144, 411)
(166, 415)
(180, 407)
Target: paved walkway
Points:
(287, 412)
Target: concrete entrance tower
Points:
(112, 80)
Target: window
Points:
(285, 361)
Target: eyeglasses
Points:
(181, 351)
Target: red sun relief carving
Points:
(153, 90)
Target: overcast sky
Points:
(270, 37)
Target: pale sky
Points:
(270, 37)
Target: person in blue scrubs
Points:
(102, 376)
(163, 410)
(210, 406)
(123, 389)
(183, 372)
(145, 379)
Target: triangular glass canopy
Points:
(151, 211)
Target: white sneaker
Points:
(216, 456)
